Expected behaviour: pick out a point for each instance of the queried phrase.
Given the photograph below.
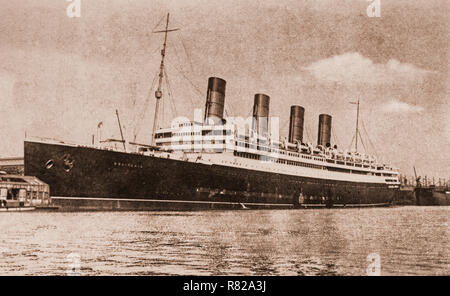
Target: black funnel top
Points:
(324, 135)
(296, 124)
(215, 99)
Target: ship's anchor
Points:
(68, 162)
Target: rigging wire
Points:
(333, 132)
(368, 137)
(159, 23)
(362, 142)
(308, 134)
(190, 97)
(195, 87)
(169, 91)
(157, 49)
(186, 52)
(182, 72)
(138, 124)
(163, 112)
(225, 109)
(351, 143)
(133, 93)
(250, 114)
(286, 125)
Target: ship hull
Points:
(89, 178)
(431, 197)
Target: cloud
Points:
(354, 68)
(395, 106)
(7, 82)
(11, 124)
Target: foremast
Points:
(158, 92)
(357, 124)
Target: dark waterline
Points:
(410, 241)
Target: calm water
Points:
(409, 240)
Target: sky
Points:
(61, 76)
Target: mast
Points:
(158, 92)
(357, 123)
(121, 133)
(417, 178)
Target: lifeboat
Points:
(304, 148)
(340, 155)
(299, 146)
(348, 156)
(310, 148)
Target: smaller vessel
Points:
(431, 195)
(17, 209)
(22, 193)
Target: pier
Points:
(23, 192)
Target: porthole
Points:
(49, 164)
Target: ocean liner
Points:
(212, 162)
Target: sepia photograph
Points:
(240, 140)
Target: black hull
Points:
(88, 178)
(427, 196)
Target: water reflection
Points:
(409, 240)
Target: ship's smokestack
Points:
(296, 124)
(261, 114)
(215, 100)
(324, 136)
